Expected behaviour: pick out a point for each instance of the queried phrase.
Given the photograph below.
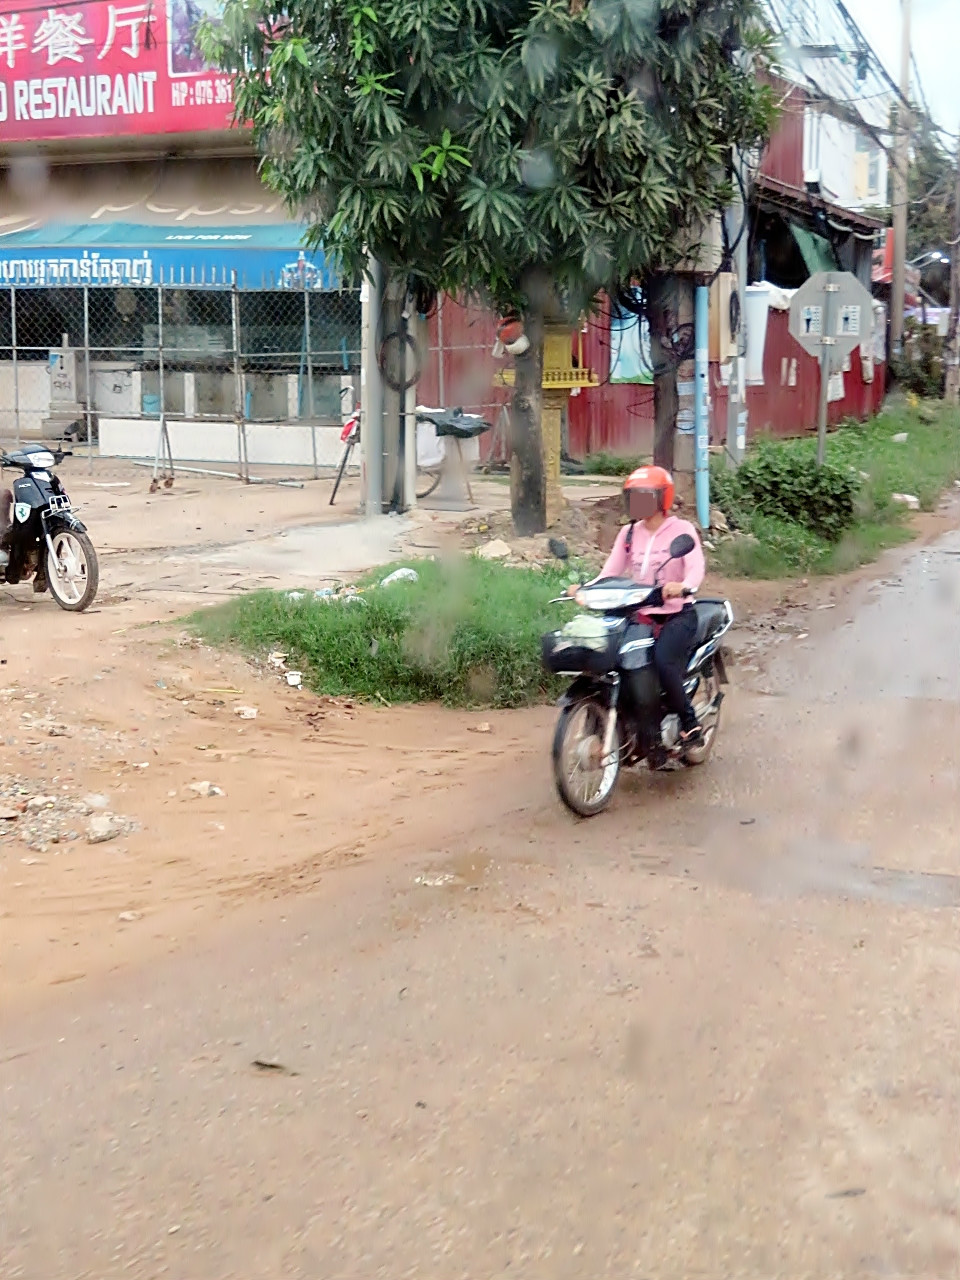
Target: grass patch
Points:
(610, 464)
(466, 634)
(924, 465)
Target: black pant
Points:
(671, 654)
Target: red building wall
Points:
(783, 158)
(618, 418)
(613, 417)
(779, 409)
(607, 418)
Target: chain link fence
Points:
(182, 373)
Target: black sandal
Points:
(691, 737)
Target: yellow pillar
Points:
(554, 403)
(556, 358)
(560, 376)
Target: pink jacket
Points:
(648, 553)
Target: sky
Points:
(935, 35)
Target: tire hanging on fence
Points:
(391, 359)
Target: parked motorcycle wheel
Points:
(583, 783)
(75, 587)
(710, 723)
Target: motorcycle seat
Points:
(712, 617)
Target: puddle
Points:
(759, 858)
(821, 869)
(462, 871)
(903, 642)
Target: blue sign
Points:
(121, 254)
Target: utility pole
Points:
(737, 225)
(371, 392)
(901, 164)
(952, 345)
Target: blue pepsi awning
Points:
(123, 254)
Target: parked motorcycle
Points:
(614, 714)
(43, 537)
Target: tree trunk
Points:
(666, 401)
(527, 487)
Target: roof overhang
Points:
(174, 222)
(772, 193)
(128, 255)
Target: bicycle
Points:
(447, 423)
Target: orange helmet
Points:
(648, 490)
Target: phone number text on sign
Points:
(202, 93)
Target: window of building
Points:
(873, 174)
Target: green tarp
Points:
(817, 253)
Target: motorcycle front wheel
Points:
(584, 783)
(75, 575)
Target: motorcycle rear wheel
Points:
(584, 785)
(710, 724)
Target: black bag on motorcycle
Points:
(586, 644)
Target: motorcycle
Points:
(43, 537)
(614, 714)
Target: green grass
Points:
(610, 464)
(924, 465)
(466, 634)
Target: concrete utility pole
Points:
(371, 393)
(952, 346)
(901, 165)
(737, 224)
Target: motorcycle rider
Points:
(642, 551)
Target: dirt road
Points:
(713, 1032)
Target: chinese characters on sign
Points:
(104, 69)
(129, 19)
(13, 39)
(60, 36)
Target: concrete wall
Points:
(268, 444)
(33, 384)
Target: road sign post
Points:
(829, 316)
(827, 341)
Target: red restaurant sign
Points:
(98, 70)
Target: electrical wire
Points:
(864, 49)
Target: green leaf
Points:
(420, 128)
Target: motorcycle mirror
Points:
(681, 546)
(558, 548)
